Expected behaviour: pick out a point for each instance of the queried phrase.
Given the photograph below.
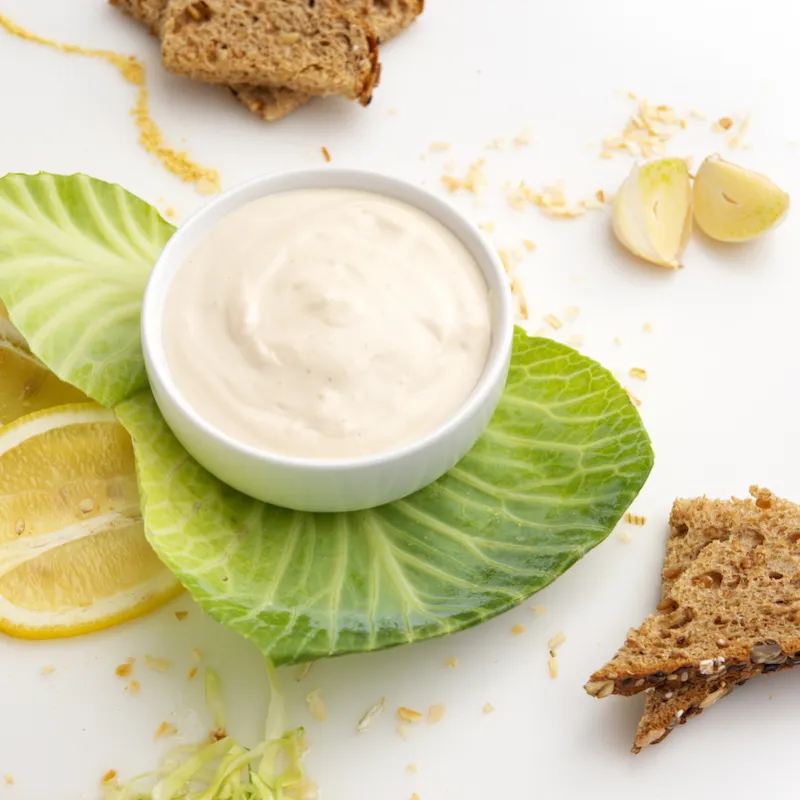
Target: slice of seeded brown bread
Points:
(733, 610)
(387, 17)
(271, 43)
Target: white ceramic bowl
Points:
(341, 484)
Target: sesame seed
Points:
(435, 714)
(538, 610)
(371, 715)
(647, 327)
(135, 687)
(554, 322)
(48, 670)
(488, 708)
(517, 630)
(164, 730)
(634, 399)
(411, 769)
(316, 705)
(638, 373)
(439, 147)
(452, 663)
(158, 664)
(409, 715)
(404, 731)
(552, 666)
(303, 670)
(191, 673)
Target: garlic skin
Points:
(652, 213)
(734, 204)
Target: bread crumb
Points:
(109, 777)
(722, 124)
(439, 147)
(552, 666)
(125, 670)
(47, 670)
(538, 610)
(404, 732)
(572, 313)
(409, 715)
(325, 154)
(576, 340)
(158, 664)
(524, 137)
(529, 245)
(634, 399)
(371, 715)
(205, 186)
(473, 181)
(646, 132)
(600, 196)
(638, 373)
(134, 686)
(452, 663)
(634, 519)
(411, 769)
(435, 714)
(624, 537)
(164, 730)
(316, 705)
(181, 615)
(554, 322)
(303, 670)
(518, 630)
(556, 642)
(647, 327)
(488, 708)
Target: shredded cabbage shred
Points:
(223, 769)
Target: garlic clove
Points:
(652, 213)
(734, 204)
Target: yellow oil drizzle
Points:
(206, 180)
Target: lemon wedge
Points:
(652, 212)
(73, 555)
(26, 385)
(734, 204)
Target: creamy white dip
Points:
(327, 323)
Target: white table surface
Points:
(720, 402)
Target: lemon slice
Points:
(26, 385)
(73, 555)
(734, 204)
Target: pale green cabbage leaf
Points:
(75, 255)
(563, 457)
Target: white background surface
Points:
(720, 403)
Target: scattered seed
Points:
(600, 195)
(638, 373)
(196, 654)
(316, 705)
(48, 670)
(439, 147)
(451, 662)
(135, 686)
(303, 670)
(393, 112)
(108, 777)
(125, 670)
(158, 664)
(529, 245)
(554, 322)
(435, 714)
(552, 666)
(86, 505)
(556, 641)
(517, 630)
(415, 796)
(170, 212)
(634, 519)
(487, 226)
(404, 731)
(576, 340)
(164, 730)
(617, 340)
(647, 327)
(488, 708)
(625, 537)
(473, 181)
(725, 123)
(523, 138)
(409, 715)
(205, 186)
(19, 526)
(538, 610)
(411, 769)
(498, 143)
(181, 615)
(371, 715)
(325, 154)
(191, 673)
(712, 698)
(9, 779)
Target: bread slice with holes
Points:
(287, 43)
(387, 17)
(731, 611)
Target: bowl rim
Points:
(207, 216)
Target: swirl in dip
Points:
(327, 324)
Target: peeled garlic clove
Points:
(733, 204)
(652, 214)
